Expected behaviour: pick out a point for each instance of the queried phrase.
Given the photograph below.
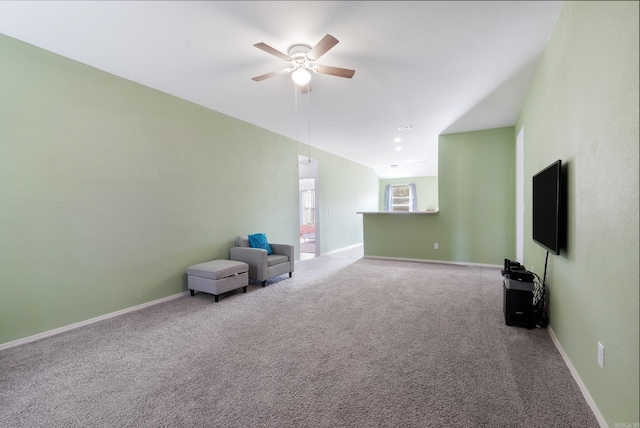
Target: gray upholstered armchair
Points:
(263, 266)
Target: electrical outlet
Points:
(435, 246)
(600, 355)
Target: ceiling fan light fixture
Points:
(301, 76)
(302, 59)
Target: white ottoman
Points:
(217, 277)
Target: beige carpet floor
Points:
(346, 342)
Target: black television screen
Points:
(546, 207)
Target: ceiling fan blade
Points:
(336, 71)
(322, 47)
(268, 75)
(268, 49)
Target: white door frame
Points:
(520, 196)
(308, 168)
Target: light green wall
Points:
(110, 189)
(476, 222)
(404, 236)
(426, 191)
(477, 195)
(582, 108)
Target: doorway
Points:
(308, 212)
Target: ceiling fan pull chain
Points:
(295, 115)
(309, 123)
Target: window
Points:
(401, 198)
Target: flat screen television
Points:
(547, 209)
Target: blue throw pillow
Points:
(259, 240)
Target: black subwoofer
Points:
(518, 307)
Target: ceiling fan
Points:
(302, 59)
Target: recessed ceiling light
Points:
(397, 140)
(398, 148)
(405, 127)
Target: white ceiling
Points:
(442, 67)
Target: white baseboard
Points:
(350, 247)
(401, 259)
(576, 376)
(86, 322)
